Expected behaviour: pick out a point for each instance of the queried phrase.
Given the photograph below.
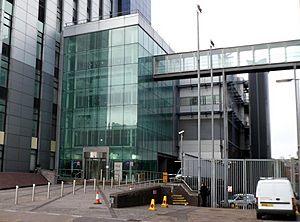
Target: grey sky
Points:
(234, 23)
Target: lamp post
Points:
(212, 99)
(296, 81)
(213, 174)
(181, 132)
(199, 10)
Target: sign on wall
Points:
(118, 171)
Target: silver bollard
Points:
(33, 193)
(74, 182)
(101, 172)
(132, 179)
(119, 180)
(103, 186)
(16, 195)
(126, 180)
(95, 184)
(138, 178)
(62, 189)
(84, 186)
(111, 182)
(48, 191)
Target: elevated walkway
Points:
(233, 60)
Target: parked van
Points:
(275, 196)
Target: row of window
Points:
(5, 59)
(109, 38)
(204, 100)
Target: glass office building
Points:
(112, 110)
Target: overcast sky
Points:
(235, 23)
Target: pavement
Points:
(79, 207)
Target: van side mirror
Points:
(297, 197)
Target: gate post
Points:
(226, 182)
(244, 178)
(213, 183)
(293, 173)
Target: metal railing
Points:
(226, 179)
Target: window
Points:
(52, 160)
(35, 119)
(89, 10)
(33, 159)
(41, 16)
(100, 9)
(58, 16)
(75, 11)
(1, 157)
(2, 114)
(54, 119)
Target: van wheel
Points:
(258, 216)
(232, 205)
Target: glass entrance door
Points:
(93, 167)
(95, 162)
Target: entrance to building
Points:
(95, 162)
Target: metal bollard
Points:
(48, 191)
(111, 182)
(103, 186)
(33, 193)
(16, 195)
(138, 178)
(101, 172)
(62, 189)
(126, 180)
(119, 181)
(74, 182)
(132, 178)
(95, 184)
(84, 186)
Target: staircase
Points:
(178, 199)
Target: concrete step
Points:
(180, 203)
(178, 199)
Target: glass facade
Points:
(110, 99)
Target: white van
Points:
(275, 196)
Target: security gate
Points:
(232, 177)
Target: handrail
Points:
(185, 183)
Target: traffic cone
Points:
(98, 201)
(164, 203)
(152, 205)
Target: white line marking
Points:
(76, 215)
(10, 211)
(54, 214)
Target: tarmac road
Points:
(81, 208)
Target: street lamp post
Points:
(296, 81)
(212, 98)
(199, 10)
(213, 171)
